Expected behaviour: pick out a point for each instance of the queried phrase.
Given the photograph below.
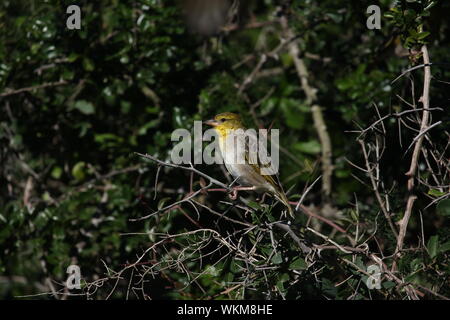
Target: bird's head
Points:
(225, 121)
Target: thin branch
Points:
(425, 99)
(311, 97)
(292, 234)
(191, 169)
(375, 189)
(421, 133)
(10, 92)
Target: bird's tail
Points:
(281, 196)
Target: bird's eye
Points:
(222, 120)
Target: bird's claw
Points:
(233, 194)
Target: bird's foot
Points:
(262, 199)
(234, 192)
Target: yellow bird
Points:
(246, 173)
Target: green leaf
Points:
(286, 59)
(84, 127)
(268, 105)
(310, 147)
(423, 35)
(56, 172)
(416, 264)
(151, 124)
(84, 107)
(277, 258)
(432, 246)
(444, 247)
(72, 57)
(88, 64)
(291, 107)
(342, 173)
(298, 264)
(125, 106)
(443, 208)
(212, 271)
(254, 205)
(388, 284)
(329, 288)
(108, 140)
(78, 171)
(435, 193)
(162, 202)
(280, 284)
(354, 215)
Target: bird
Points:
(246, 173)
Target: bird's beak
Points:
(212, 123)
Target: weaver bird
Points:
(246, 173)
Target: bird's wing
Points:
(257, 157)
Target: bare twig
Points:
(10, 92)
(191, 169)
(311, 97)
(294, 237)
(375, 188)
(425, 99)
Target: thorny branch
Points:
(425, 99)
(311, 98)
